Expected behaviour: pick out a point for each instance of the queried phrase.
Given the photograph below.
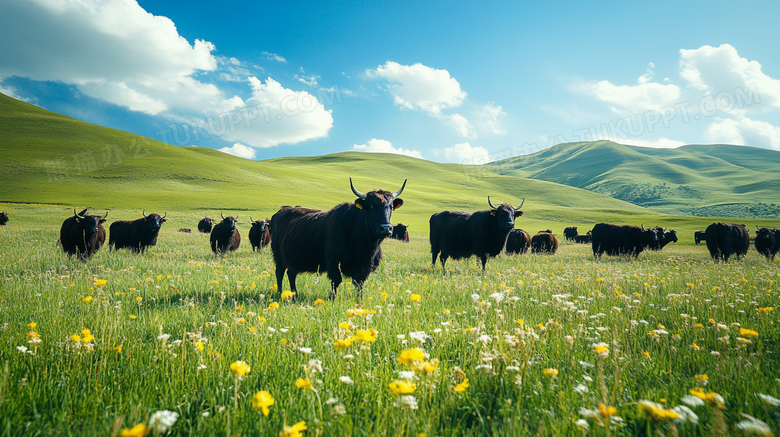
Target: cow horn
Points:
(250, 219)
(166, 213)
(143, 213)
(398, 193)
(643, 226)
(521, 204)
(236, 219)
(77, 214)
(105, 215)
(491, 203)
(354, 190)
(223, 215)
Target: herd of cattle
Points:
(346, 240)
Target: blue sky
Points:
(448, 82)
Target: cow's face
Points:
(671, 236)
(649, 236)
(764, 234)
(90, 223)
(259, 225)
(505, 216)
(208, 221)
(230, 222)
(153, 222)
(378, 207)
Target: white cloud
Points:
(464, 153)
(461, 124)
(383, 146)
(311, 80)
(240, 150)
(420, 87)
(645, 95)
(489, 118)
(286, 117)
(661, 143)
(744, 131)
(112, 50)
(11, 92)
(275, 57)
(717, 69)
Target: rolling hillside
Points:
(716, 180)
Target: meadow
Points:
(537, 345)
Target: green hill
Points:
(715, 180)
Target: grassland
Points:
(664, 319)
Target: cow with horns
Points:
(205, 224)
(518, 241)
(664, 237)
(3, 218)
(400, 232)
(83, 234)
(259, 234)
(345, 240)
(135, 235)
(544, 243)
(457, 235)
(767, 242)
(699, 236)
(724, 240)
(620, 240)
(569, 233)
(225, 236)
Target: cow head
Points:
(90, 223)
(505, 214)
(764, 234)
(259, 224)
(648, 236)
(153, 222)
(208, 220)
(3, 218)
(378, 207)
(671, 236)
(229, 221)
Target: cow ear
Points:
(397, 203)
(359, 203)
(518, 213)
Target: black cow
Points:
(569, 233)
(699, 236)
(664, 238)
(345, 240)
(544, 243)
(483, 233)
(724, 240)
(82, 234)
(225, 236)
(205, 224)
(400, 232)
(620, 240)
(259, 234)
(3, 218)
(767, 242)
(135, 235)
(518, 241)
(583, 239)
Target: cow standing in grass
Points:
(345, 240)
(569, 233)
(400, 232)
(205, 224)
(583, 239)
(83, 234)
(135, 235)
(544, 243)
(459, 235)
(699, 236)
(259, 234)
(767, 242)
(620, 240)
(724, 240)
(3, 218)
(225, 236)
(518, 241)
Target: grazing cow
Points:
(205, 224)
(664, 238)
(518, 241)
(724, 240)
(185, 230)
(483, 233)
(699, 236)
(583, 239)
(544, 243)
(225, 236)
(569, 233)
(345, 240)
(82, 234)
(620, 240)
(767, 242)
(135, 235)
(3, 218)
(259, 234)
(401, 232)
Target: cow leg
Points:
(334, 274)
(291, 276)
(443, 259)
(279, 277)
(483, 257)
(435, 253)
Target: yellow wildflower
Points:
(261, 401)
(76, 338)
(100, 282)
(293, 431)
(287, 294)
(550, 372)
(304, 384)
(703, 378)
(139, 430)
(319, 302)
(606, 411)
(460, 388)
(118, 349)
(427, 367)
(656, 412)
(344, 325)
(342, 344)
(273, 306)
(747, 333)
(384, 296)
(240, 368)
(711, 398)
(407, 357)
(402, 387)
(139, 299)
(87, 299)
(199, 346)
(367, 336)
(415, 297)
(32, 325)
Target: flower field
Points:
(178, 342)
